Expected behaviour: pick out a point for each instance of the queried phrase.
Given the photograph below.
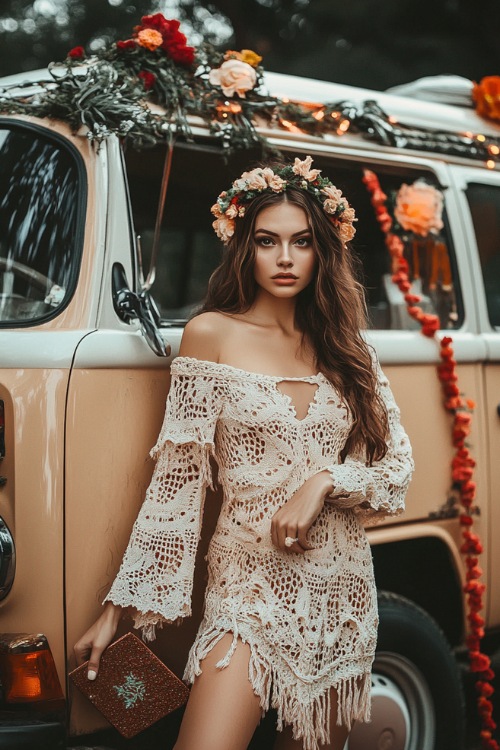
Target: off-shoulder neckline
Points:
(246, 373)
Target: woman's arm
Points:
(380, 489)
(156, 574)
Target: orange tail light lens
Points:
(29, 676)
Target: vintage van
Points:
(84, 374)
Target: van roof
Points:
(407, 109)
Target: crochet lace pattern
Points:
(310, 620)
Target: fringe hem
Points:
(310, 721)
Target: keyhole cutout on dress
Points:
(301, 396)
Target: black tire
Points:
(418, 699)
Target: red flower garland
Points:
(173, 42)
(462, 465)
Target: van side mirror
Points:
(130, 306)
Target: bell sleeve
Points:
(157, 570)
(376, 491)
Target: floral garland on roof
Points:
(463, 487)
(108, 93)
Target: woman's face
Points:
(285, 259)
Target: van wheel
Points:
(417, 695)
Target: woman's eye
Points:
(265, 241)
(303, 241)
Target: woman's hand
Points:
(299, 513)
(97, 638)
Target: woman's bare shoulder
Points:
(203, 336)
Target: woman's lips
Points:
(285, 280)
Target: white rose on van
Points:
(234, 77)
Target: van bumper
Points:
(32, 735)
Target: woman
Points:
(275, 381)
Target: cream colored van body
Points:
(84, 399)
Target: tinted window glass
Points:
(484, 202)
(189, 249)
(40, 202)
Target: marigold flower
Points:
(150, 39)
(479, 662)
(461, 474)
(250, 57)
(486, 95)
(476, 571)
(469, 486)
(446, 352)
(412, 299)
(475, 619)
(484, 688)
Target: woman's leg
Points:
(338, 734)
(222, 711)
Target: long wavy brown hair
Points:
(330, 312)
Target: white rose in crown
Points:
(234, 77)
(419, 208)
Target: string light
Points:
(290, 126)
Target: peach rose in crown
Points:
(234, 77)
(332, 193)
(224, 228)
(255, 179)
(419, 208)
(346, 232)
(303, 168)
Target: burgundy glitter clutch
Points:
(133, 688)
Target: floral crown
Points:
(232, 203)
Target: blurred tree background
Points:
(371, 43)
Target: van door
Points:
(480, 201)
(43, 205)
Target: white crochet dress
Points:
(310, 620)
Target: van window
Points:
(190, 250)
(41, 198)
(484, 202)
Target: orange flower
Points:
(250, 57)
(486, 95)
(246, 55)
(150, 39)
